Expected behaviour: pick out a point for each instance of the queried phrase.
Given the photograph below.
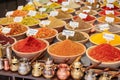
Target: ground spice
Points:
(98, 39)
(40, 16)
(19, 13)
(28, 7)
(107, 8)
(116, 13)
(30, 44)
(105, 53)
(77, 37)
(6, 21)
(4, 39)
(45, 33)
(89, 18)
(66, 48)
(16, 28)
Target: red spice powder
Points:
(107, 8)
(105, 53)
(30, 44)
(116, 13)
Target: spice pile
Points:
(29, 44)
(105, 53)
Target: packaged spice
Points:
(19, 13)
(29, 44)
(30, 21)
(99, 39)
(45, 33)
(16, 28)
(4, 39)
(78, 36)
(105, 53)
(66, 48)
(6, 21)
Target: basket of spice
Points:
(105, 37)
(6, 20)
(66, 51)
(29, 47)
(30, 22)
(15, 30)
(54, 23)
(46, 33)
(83, 26)
(81, 37)
(105, 53)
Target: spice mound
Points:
(29, 21)
(4, 40)
(67, 48)
(40, 16)
(6, 21)
(29, 44)
(16, 28)
(45, 33)
(19, 13)
(105, 53)
(102, 13)
(78, 36)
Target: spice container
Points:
(29, 47)
(105, 53)
(65, 50)
(81, 37)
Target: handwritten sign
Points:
(42, 9)
(31, 32)
(20, 8)
(82, 15)
(74, 24)
(87, 11)
(109, 19)
(110, 5)
(45, 22)
(108, 36)
(9, 13)
(6, 30)
(32, 13)
(68, 33)
(18, 19)
(109, 12)
(65, 3)
(64, 9)
(104, 27)
(53, 13)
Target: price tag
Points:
(109, 12)
(55, 0)
(32, 13)
(89, 7)
(42, 9)
(74, 24)
(108, 36)
(87, 11)
(68, 33)
(49, 3)
(45, 22)
(37, 0)
(110, 1)
(77, 0)
(109, 19)
(64, 9)
(91, 1)
(6, 30)
(104, 27)
(65, 3)
(53, 13)
(82, 15)
(20, 7)
(9, 13)
(18, 19)
(30, 3)
(31, 32)
(110, 5)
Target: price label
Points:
(91, 1)
(77, 0)
(32, 13)
(110, 5)
(37, 0)
(110, 1)
(82, 15)
(104, 27)
(68, 33)
(87, 11)
(42, 9)
(55, 0)
(31, 32)
(109, 12)
(64, 9)
(9, 13)
(109, 19)
(89, 7)
(18, 19)
(74, 24)
(20, 7)
(108, 36)
(30, 3)
(45, 22)
(65, 3)
(49, 3)
(6, 30)
(53, 13)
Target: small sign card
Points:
(9, 13)
(18, 19)
(55, 0)
(110, 1)
(68, 33)
(6, 30)
(32, 13)
(65, 3)
(31, 32)
(104, 27)
(108, 36)
(87, 11)
(42, 9)
(53, 13)
(109, 19)
(64, 9)
(74, 24)
(91, 1)
(110, 5)
(82, 15)
(45, 22)
(77, 0)
(109, 12)
(20, 8)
